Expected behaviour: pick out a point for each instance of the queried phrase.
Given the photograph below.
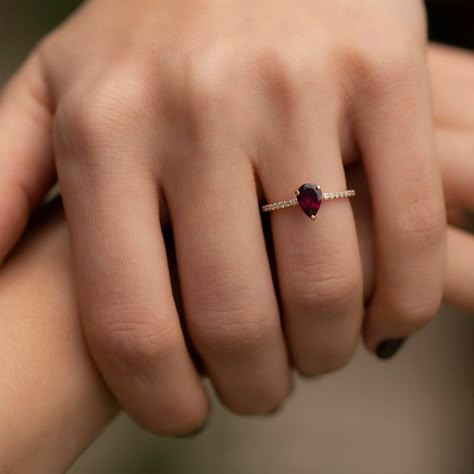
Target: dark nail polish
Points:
(387, 349)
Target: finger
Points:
(455, 152)
(230, 303)
(396, 141)
(26, 158)
(452, 76)
(460, 270)
(319, 269)
(126, 304)
(457, 165)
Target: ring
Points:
(309, 197)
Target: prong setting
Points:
(311, 203)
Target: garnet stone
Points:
(310, 198)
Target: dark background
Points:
(452, 21)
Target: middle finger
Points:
(228, 295)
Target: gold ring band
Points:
(309, 197)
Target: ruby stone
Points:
(310, 198)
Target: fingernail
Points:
(387, 349)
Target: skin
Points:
(59, 391)
(199, 111)
(53, 402)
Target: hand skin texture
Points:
(49, 389)
(197, 109)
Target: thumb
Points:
(26, 157)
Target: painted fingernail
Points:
(387, 349)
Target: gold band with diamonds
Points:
(310, 198)
(294, 202)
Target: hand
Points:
(74, 402)
(183, 107)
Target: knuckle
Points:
(132, 346)
(394, 64)
(287, 77)
(200, 97)
(223, 332)
(328, 292)
(416, 312)
(383, 67)
(78, 128)
(207, 79)
(422, 223)
(92, 117)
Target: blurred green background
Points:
(22, 23)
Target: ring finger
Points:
(319, 269)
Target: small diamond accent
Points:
(294, 202)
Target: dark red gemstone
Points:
(310, 198)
